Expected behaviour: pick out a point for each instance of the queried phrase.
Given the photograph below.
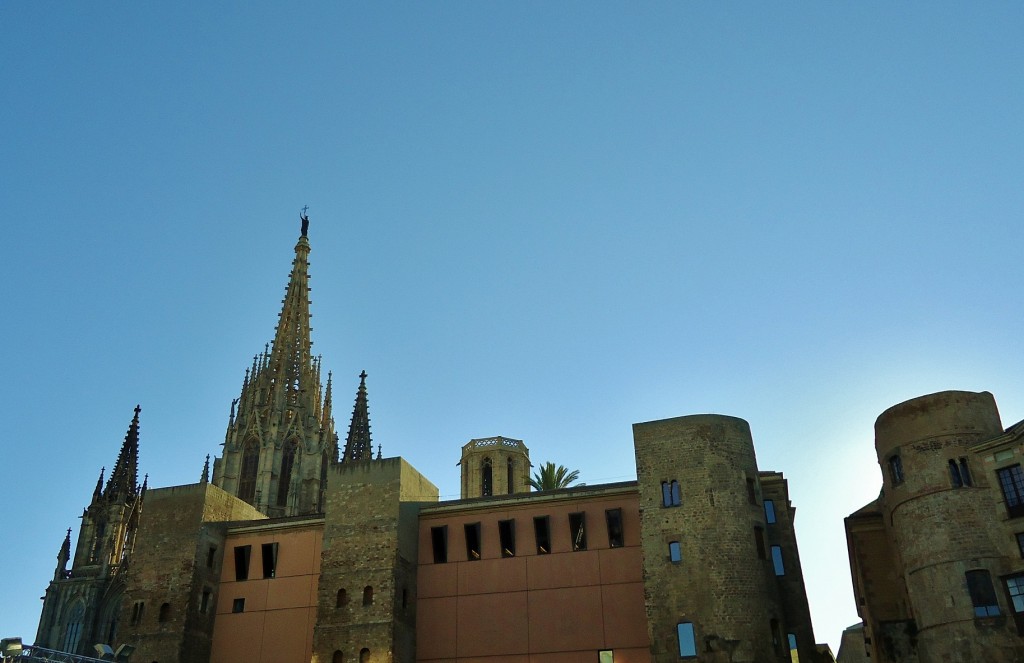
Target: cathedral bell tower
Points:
(280, 436)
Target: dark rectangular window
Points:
(759, 541)
(670, 493)
(1020, 543)
(439, 539)
(675, 553)
(965, 472)
(751, 491)
(896, 470)
(210, 556)
(205, 604)
(1015, 590)
(687, 641)
(472, 541)
(578, 530)
(616, 538)
(242, 554)
(954, 474)
(238, 605)
(1011, 480)
(769, 512)
(542, 534)
(507, 537)
(780, 569)
(269, 560)
(983, 594)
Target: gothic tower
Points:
(281, 438)
(494, 466)
(82, 605)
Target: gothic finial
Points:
(63, 556)
(145, 485)
(99, 486)
(305, 220)
(378, 452)
(206, 471)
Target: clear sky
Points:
(540, 220)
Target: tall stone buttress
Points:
(280, 438)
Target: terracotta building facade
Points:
(300, 548)
(938, 559)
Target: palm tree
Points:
(549, 477)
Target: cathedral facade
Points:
(301, 548)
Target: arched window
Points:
(511, 474)
(367, 595)
(342, 598)
(486, 478)
(287, 461)
(165, 612)
(73, 628)
(338, 657)
(364, 655)
(247, 477)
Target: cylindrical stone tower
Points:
(709, 583)
(494, 466)
(937, 502)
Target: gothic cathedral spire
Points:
(279, 434)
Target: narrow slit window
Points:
(687, 640)
(507, 537)
(751, 491)
(616, 537)
(367, 595)
(769, 512)
(542, 534)
(510, 474)
(983, 594)
(269, 560)
(954, 474)
(675, 552)
(486, 478)
(780, 568)
(677, 496)
(439, 541)
(211, 555)
(242, 554)
(342, 598)
(472, 541)
(896, 469)
(791, 639)
(1020, 543)
(759, 541)
(578, 530)
(666, 494)
(204, 605)
(165, 612)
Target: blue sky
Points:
(545, 221)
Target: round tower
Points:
(494, 466)
(938, 504)
(711, 582)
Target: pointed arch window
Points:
(511, 474)
(364, 656)
(73, 628)
(368, 595)
(287, 463)
(247, 476)
(486, 479)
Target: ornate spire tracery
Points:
(123, 484)
(282, 400)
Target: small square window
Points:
(606, 656)
(238, 605)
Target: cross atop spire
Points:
(123, 484)
(358, 445)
